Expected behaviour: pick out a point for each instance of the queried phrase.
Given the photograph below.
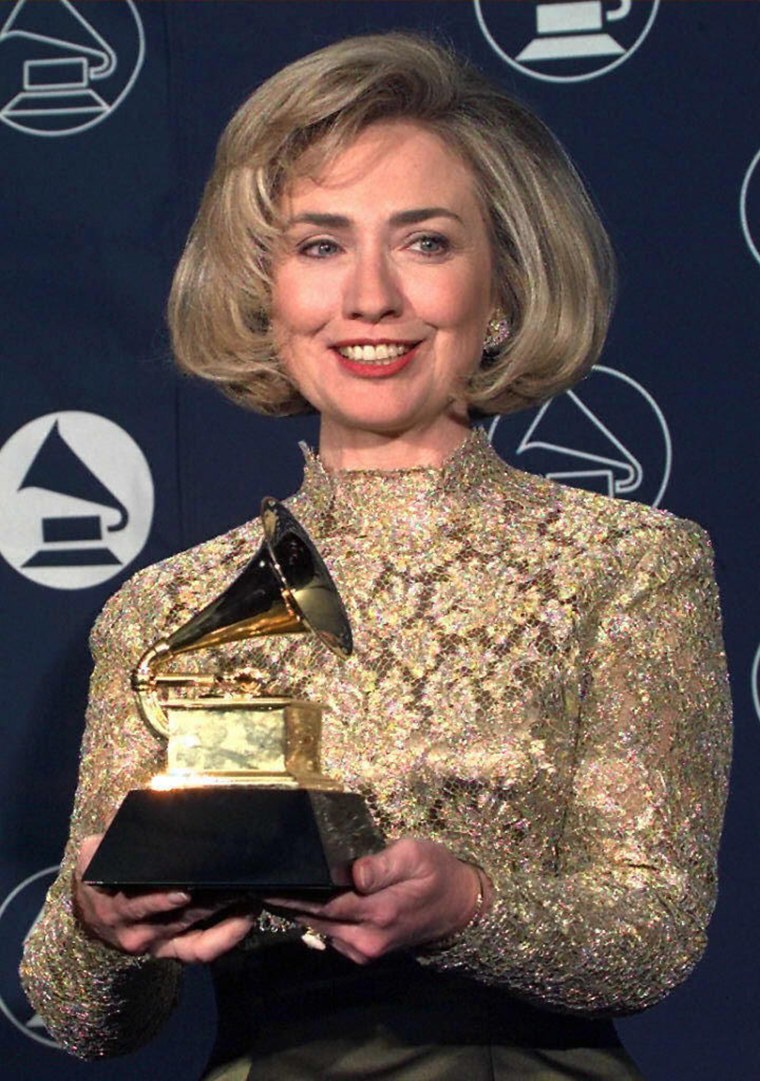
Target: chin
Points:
(387, 426)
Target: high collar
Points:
(366, 501)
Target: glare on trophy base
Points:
(243, 803)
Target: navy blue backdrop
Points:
(109, 115)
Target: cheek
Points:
(298, 306)
(299, 364)
(461, 305)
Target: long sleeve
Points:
(93, 999)
(617, 914)
(538, 682)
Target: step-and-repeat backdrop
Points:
(109, 113)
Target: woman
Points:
(536, 710)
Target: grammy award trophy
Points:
(243, 803)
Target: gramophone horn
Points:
(285, 589)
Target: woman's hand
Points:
(166, 924)
(411, 893)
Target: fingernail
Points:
(178, 898)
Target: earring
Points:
(497, 332)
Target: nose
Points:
(372, 291)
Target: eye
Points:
(431, 244)
(318, 249)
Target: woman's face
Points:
(382, 293)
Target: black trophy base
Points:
(275, 841)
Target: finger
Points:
(293, 904)
(360, 944)
(202, 946)
(341, 907)
(396, 863)
(333, 930)
(209, 915)
(348, 951)
(206, 913)
(151, 935)
(331, 935)
(329, 928)
(146, 906)
(105, 914)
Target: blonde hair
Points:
(553, 265)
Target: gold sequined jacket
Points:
(538, 682)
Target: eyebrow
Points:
(403, 217)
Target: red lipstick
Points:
(374, 369)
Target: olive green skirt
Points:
(291, 1014)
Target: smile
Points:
(383, 353)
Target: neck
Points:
(355, 449)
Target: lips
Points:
(375, 352)
(375, 359)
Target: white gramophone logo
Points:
(565, 40)
(19, 913)
(756, 682)
(66, 66)
(76, 500)
(749, 206)
(607, 434)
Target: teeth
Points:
(383, 353)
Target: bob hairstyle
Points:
(553, 265)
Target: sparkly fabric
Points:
(538, 682)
